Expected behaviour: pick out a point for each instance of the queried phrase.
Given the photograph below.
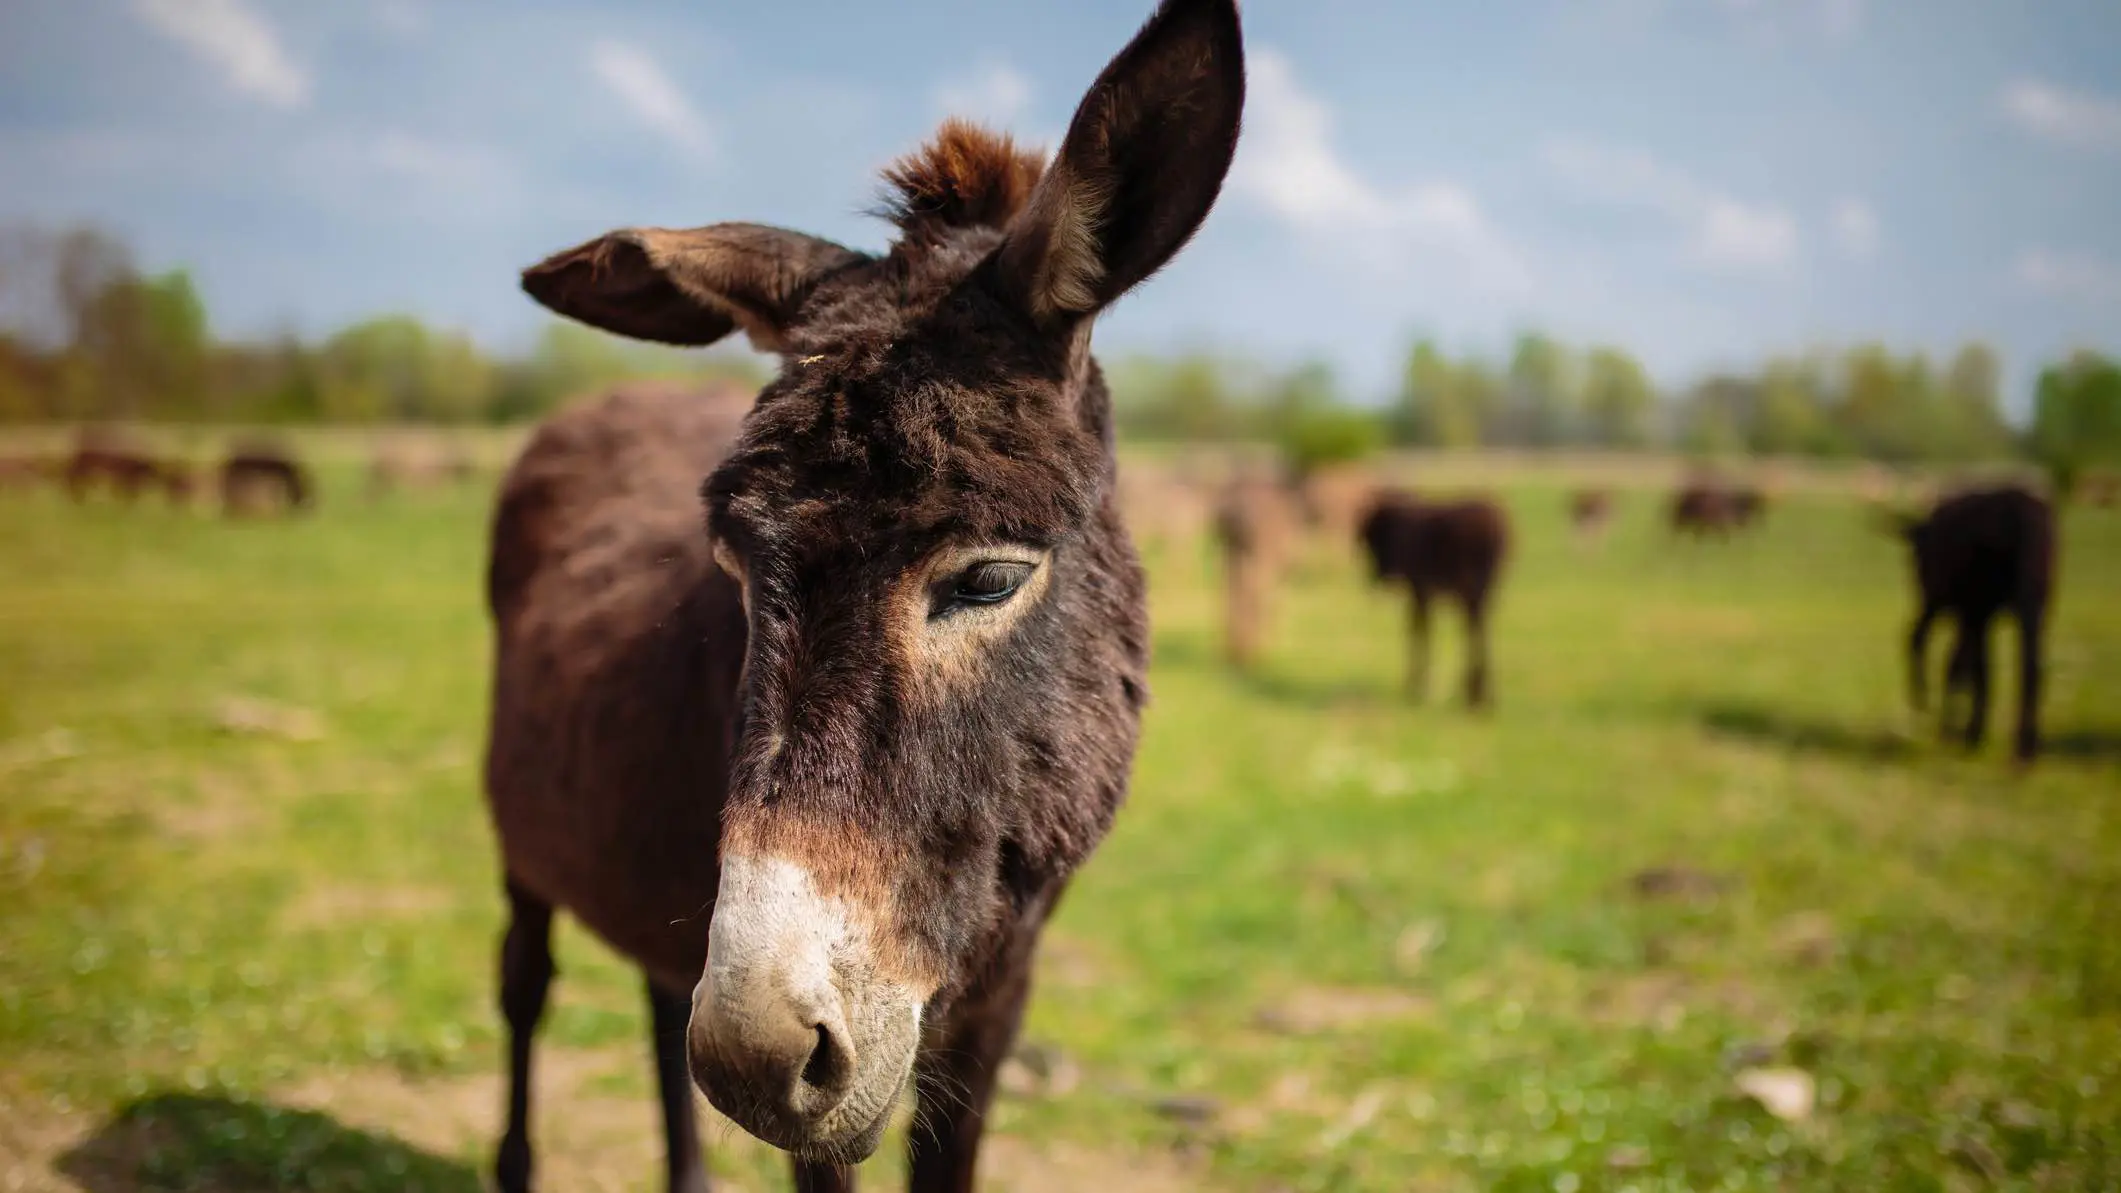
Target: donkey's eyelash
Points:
(985, 583)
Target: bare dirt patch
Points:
(34, 1133)
(584, 1140)
(1017, 1166)
(332, 904)
(1312, 1010)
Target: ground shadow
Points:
(1197, 652)
(2084, 745)
(217, 1144)
(1774, 727)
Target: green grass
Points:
(192, 921)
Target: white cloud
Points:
(2077, 118)
(1722, 230)
(2079, 277)
(1856, 227)
(639, 82)
(997, 94)
(1287, 164)
(227, 34)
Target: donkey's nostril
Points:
(830, 1069)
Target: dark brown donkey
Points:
(263, 475)
(823, 767)
(1590, 511)
(1452, 547)
(1977, 554)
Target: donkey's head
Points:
(943, 672)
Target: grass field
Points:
(248, 900)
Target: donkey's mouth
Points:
(852, 1149)
(795, 1034)
(847, 1131)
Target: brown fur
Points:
(966, 177)
(1590, 510)
(126, 473)
(258, 476)
(801, 673)
(1453, 548)
(1708, 507)
(1255, 529)
(1978, 554)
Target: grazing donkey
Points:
(1453, 547)
(127, 469)
(1590, 511)
(823, 765)
(262, 475)
(1255, 533)
(1707, 506)
(1977, 554)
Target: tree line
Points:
(85, 335)
(1865, 401)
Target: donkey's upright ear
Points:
(1139, 169)
(688, 286)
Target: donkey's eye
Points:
(988, 583)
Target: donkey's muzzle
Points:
(794, 1034)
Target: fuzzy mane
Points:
(966, 177)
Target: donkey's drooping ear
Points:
(688, 286)
(1139, 169)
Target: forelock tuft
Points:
(966, 177)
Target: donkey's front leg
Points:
(954, 1078)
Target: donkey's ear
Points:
(688, 286)
(1139, 169)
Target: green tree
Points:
(1716, 414)
(1188, 397)
(1791, 418)
(1619, 401)
(2077, 417)
(1313, 427)
(1541, 400)
(1436, 404)
(1971, 404)
(1870, 411)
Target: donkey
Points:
(1453, 547)
(1590, 511)
(1255, 526)
(823, 765)
(1977, 554)
(127, 472)
(256, 474)
(1708, 506)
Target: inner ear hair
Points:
(1143, 161)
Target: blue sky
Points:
(1703, 181)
